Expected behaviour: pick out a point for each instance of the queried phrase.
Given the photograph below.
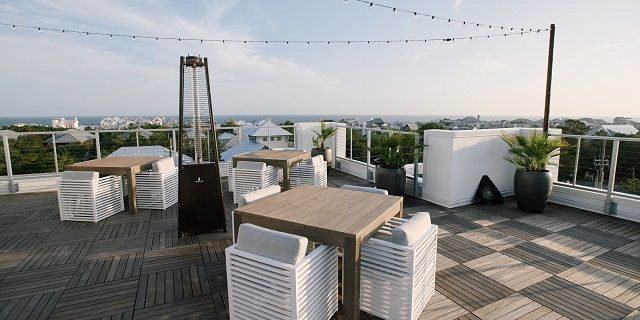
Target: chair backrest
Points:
(257, 195)
(410, 231)
(163, 165)
(80, 175)
(251, 165)
(364, 189)
(280, 246)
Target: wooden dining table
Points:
(332, 216)
(121, 166)
(278, 158)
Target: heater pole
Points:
(547, 100)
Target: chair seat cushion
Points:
(280, 246)
(163, 165)
(80, 175)
(409, 232)
(258, 194)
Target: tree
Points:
(576, 127)
(431, 125)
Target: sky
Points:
(596, 62)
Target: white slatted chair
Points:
(398, 268)
(84, 196)
(269, 277)
(364, 189)
(230, 176)
(254, 196)
(250, 176)
(312, 171)
(223, 167)
(158, 187)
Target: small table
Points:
(332, 216)
(278, 158)
(121, 166)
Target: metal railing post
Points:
(575, 167)
(415, 164)
(138, 142)
(351, 143)
(7, 161)
(612, 176)
(55, 151)
(600, 181)
(98, 155)
(368, 152)
(173, 138)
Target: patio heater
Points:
(200, 203)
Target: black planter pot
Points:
(326, 153)
(532, 190)
(392, 180)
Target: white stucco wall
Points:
(455, 161)
(304, 133)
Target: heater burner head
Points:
(194, 61)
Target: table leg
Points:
(286, 183)
(131, 184)
(237, 220)
(351, 279)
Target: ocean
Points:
(277, 118)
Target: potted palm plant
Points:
(393, 152)
(322, 136)
(531, 154)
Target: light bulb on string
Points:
(13, 27)
(39, 30)
(63, 32)
(370, 5)
(87, 34)
(133, 37)
(308, 44)
(415, 14)
(394, 11)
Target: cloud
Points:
(77, 75)
(456, 4)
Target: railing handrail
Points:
(58, 132)
(381, 130)
(608, 138)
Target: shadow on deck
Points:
(493, 262)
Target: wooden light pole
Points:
(547, 100)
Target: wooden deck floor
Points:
(494, 262)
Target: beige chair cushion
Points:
(409, 232)
(163, 165)
(316, 160)
(364, 189)
(80, 175)
(280, 246)
(251, 165)
(257, 195)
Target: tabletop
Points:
(322, 212)
(274, 155)
(114, 162)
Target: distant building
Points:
(73, 136)
(244, 147)
(158, 121)
(409, 127)
(269, 134)
(65, 124)
(615, 129)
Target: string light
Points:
(308, 42)
(415, 13)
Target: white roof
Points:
(267, 129)
(154, 151)
(244, 147)
(620, 129)
(226, 136)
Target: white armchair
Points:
(312, 171)
(250, 176)
(158, 188)
(398, 268)
(269, 277)
(84, 196)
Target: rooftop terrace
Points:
(493, 262)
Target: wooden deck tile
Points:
(468, 288)
(507, 271)
(171, 285)
(43, 257)
(115, 247)
(582, 250)
(455, 224)
(168, 239)
(23, 242)
(36, 307)
(520, 230)
(620, 263)
(442, 262)
(631, 248)
(480, 217)
(544, 222)
(516, 306)
(618, 227)
(440, 307)
(574, 301)
(489, 238)
(107, 269)
(172, 258)
(600, 238)
(460, 249)
(123, 230)
(607, 283)
(542, 258)
(38, 281)
(96, 301)
(201, 307)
